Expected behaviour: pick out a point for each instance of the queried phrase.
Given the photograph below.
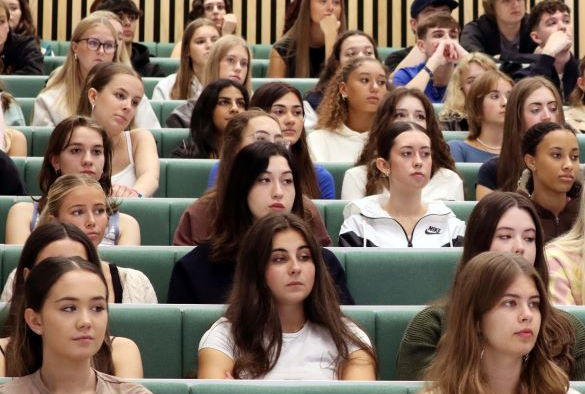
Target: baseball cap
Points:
(418, 5)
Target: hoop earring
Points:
(75, 56)
(92, 107)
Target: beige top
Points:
(106, 384)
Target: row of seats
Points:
(188, 177)
(159, 217)
(168, 335)
(405, 276)
(167, 65)
(164, 49)
(167, 139)
(23, 86)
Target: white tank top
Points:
(127, 176)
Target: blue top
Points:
(405, 75)
(324, 178)
(462, 152)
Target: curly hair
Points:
(333, 110)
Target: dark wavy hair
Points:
(263, 98)
(233, 216)
(205, 139)
(254, 318)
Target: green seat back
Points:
(462, 209)
(411, 276)
(455, 135)
(167, 107)
(24, 85)
(155, 262)
(32, 170)
(196, 321)
(167, 65)
(383, 52)
(26, 104)
(391, 322)
(52, 62)
(302, 84)
(468, 171)
(63, 48)
(40, 140)
(261, 51)
(162, 387)
(581, 139)
(11, 253)
(153, 215)
(297, 387)
(337, 170)
(156, 107)
(332, 213)
(157, 332)
(164, 49)
(171, 139)
(188, 177)
(149, 85)
(259, 68)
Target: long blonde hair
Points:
(121, 52)
(454, 106)
(61, 188)
(69, 74)
(218, 52)
(182, 88)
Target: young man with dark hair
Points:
(438, 39)
(552, 30)
(502, 32)
(139, 54)
(419, 11)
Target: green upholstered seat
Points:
(167, 65)
(337, 170)
(26, 104)
(261, 51)
(468, 171)
(157, 332)
(164, 49)
(24, 85)
(149, 85)
(187, 177)
(410, 276)
(302, 84)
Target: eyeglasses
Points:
(94, 44)
(209, 7)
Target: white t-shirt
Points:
(342, 145)
(309, 354)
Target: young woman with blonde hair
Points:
(453, 116)
(494, 341)
(301, 52)
(347, 111)
(198, 39)
(485, 106)
(121, 53)
(94, 41)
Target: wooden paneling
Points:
(387, 20)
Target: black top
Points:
(10, 183)
(545, 66)
(197, 280)
(393, 59)
(21, 56)
(483, 35)
(140, 59)
(285, 48)
(488, 174)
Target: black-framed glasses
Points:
(94, 44)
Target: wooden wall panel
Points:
(262, 20)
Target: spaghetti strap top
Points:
(116, 283)
(127, 176)
(2, 351)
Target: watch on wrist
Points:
(428, 70)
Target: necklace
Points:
(487, 146)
